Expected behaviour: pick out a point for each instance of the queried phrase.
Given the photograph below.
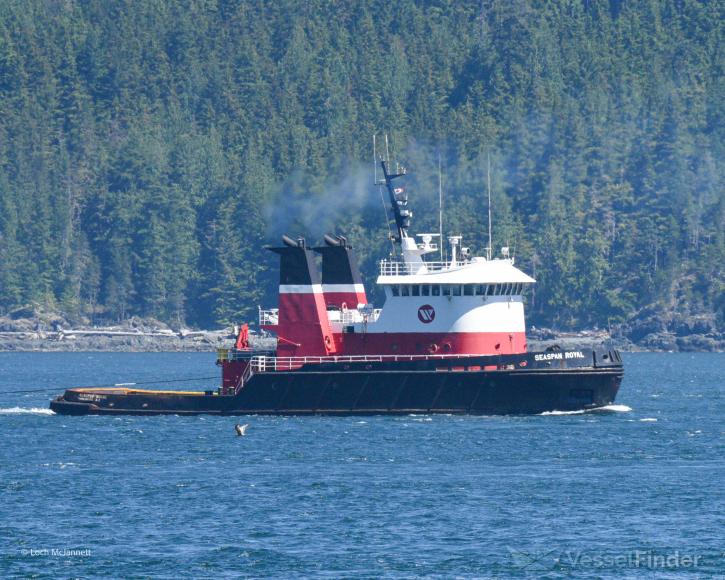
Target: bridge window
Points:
(425, 290)
(405, 290)
(395, 289)
(468, 289)
(491, 289)
(446, 289)
(436, 290)
(481, 290)
(456, 290)
(416, 290)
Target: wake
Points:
(25, 411)
(605, 409)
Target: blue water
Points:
(635, 490)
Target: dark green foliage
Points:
(148, 149)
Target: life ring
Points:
(343, 306)
(433, 347)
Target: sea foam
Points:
(605, 409)
(25, 411)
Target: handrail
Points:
(269, 317)
(246, 375)
(273, 363)
(353, 316)
(400, 268)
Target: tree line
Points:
(148, 150)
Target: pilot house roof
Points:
(476, 271)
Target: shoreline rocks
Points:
(49, 332)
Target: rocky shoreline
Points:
(51, 333)
(39, 330)
(144, 338)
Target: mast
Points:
(379, 184)
(398, 201)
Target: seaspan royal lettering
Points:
(549, 356)
(559, 355)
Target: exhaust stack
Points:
(341, 281)
(302, 328)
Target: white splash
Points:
(613, 409)
(605, 409)
(648, 420)
(25, 411)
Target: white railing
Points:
(353, 316)
(246, 375)
(261, 364)
(269, 317)
(397, 268)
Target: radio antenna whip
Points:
(440, 205)
(489, 250)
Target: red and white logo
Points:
(426, 314)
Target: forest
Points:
(150, 149)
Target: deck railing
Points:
(269, 317)
(398, 268)
(353, 316)
(246, 375)
(261, 364)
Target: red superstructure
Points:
(464, 305)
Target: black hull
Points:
(529, 387)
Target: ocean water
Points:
(633, 490)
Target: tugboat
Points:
(450, 338)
